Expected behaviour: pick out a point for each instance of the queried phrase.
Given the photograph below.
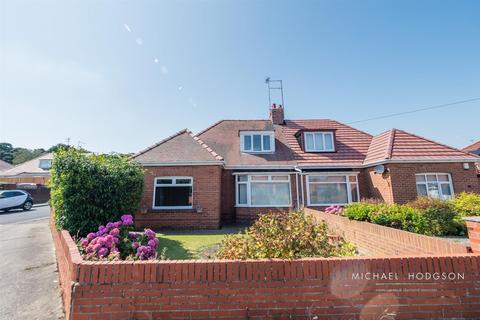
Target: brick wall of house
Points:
(373, 239)
(379, 185)
(247, 215)
(206, 199)
(314, 288)
(404, 183)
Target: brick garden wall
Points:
(373, 239)
(258, 289)
(206, 199)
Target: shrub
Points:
(439, 214)
(88, 190)
(429, 216)
(466, 204)
(275, 235)
(116, 241)
(359, 210)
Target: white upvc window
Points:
(261, 190)
(173, 193)
(319, 142)
(436, 185)
(332, 189)
(257, 141)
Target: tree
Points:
(6, 152)
(22, 155)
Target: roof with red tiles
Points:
(182, 147)
(224, 138)
(473, 147)
(220, 143)
(351, 145)
(399, 145)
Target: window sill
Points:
(269, 206)
(180, 210)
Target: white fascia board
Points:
(420, 161)
(178, 163)
(260, 167)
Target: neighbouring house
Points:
(473, 148)
(235, 170)
(35, 171)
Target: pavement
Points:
(28, 271)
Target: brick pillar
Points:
(473, 226)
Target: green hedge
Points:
(466, 204)
(88, 190)
(428, 216)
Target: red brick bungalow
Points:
(237, 169)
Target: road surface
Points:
(28, 271)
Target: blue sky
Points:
(121, 75)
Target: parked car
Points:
(15, 199)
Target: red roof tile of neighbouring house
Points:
(474, 147)
(182, 147)
(399, 145)
(351, 145)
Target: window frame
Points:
(249, 182)
(439, 183)
(347, 182)
(323, 133)
(173, 184)
(271, 134)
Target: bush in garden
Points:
(466, 204)
(117, 241)
(440, 216)
(88, 190)
(360, 210)
(334, 209)
(276, 235)
(429, 216)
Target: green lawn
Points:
(192, 244)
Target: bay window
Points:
(263, 191)
(173, 193)
(436, 185)
(332, 189)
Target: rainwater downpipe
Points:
(298, 170)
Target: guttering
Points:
(420, 161)
(181, 163)
(260, 167)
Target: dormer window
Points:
(319, 142)
(257, 141)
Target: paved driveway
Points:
(28, 276)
